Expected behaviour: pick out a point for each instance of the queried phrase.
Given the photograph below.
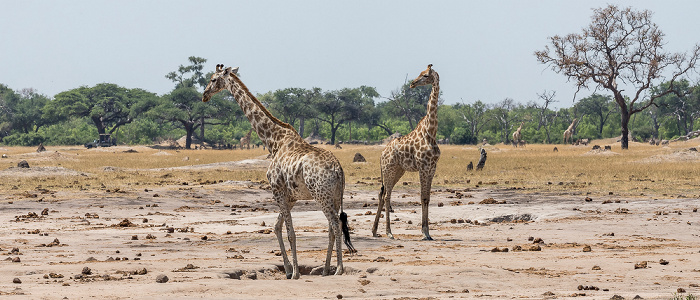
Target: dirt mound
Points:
(676, 156)
(39, 172)
(600, 152)
(46, 156)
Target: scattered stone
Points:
(617, 297)
(125, 223)
(588, 199)
(162, 278)
(134, 237)
(23, 164)
(364, 282)
(640, 265)
(16, 259)
(663, 262)
(548, 293)
(150, 237)
(586, 248)
(142, 272)
(358, 158)
(535, 248)
(517, 248)
(680, 290)
(17, 281)
(45, 212)
(596, 268)
(491, 201)
(538, 241)
(339, 296)
(86, 271)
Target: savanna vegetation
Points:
(621, 46)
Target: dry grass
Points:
(574, 170)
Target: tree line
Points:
(622, 49)
(137, 116)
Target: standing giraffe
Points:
(246, 139)
(569, 131)
(516, 135)
(415, 152)
(298, 171)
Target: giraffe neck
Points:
(431, 111)
(270, 130)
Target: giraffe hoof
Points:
(289, 275)
(390, 236)
(427, 238)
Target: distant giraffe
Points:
(415, 152)
(569, 132)
(298, 171)
(246, 139)
(516, 135)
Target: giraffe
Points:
(246, 139)
(569, 131)
(415, 152)
(516, 135)
(297, 171)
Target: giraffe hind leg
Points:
(278, 233)
(426, 181)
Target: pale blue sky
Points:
(483, 50)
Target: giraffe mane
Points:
(262, 107)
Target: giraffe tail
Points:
(346, 232)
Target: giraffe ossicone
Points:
(297, 171)
(417, 151)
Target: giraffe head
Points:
(219, 81)
(429, 76)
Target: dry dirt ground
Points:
(215, 241)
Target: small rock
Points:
(23, 164)
(680, 290)
(587, 248)
(134, 237)
(162, 278)
(86, 271)
(142, 272)
(596, 268)
(16, 280)
(16, 259)
(588, 199)
(663, 262)
(358, 158)
(617, 297)
(640, 265)
(538, 241)
(45, 212)
(339, 296)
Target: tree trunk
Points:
(301, 127)
(189, 129)
(333, 130)
(202, 129)
(624, 141)
(350, 129)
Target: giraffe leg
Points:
(292, 237)
(387, 204)
(331, 239)
(379, 211)
(335, 235)
(278, 233)
(426, 181)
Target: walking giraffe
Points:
(516, 135)
(415, 152)
(569, 131)
(298, 171)
(245, 140)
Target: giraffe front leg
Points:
(278, 233)
(292, 237)
(379, 211)
(426, 180)
(387, 208)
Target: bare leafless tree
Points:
(621, 48)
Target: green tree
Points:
(107, 105)
(598, 109)
(683, 104)
(339, 107)
(620, 50)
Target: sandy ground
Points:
(216, 242)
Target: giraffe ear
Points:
(235, 70)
